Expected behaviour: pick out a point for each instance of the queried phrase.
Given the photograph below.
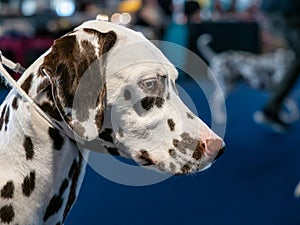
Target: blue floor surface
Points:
(252, 183)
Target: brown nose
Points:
(215, 147)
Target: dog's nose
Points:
(221, 151)
(215, 147)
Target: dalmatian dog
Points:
(259, 71)
(101, 83)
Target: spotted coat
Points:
(127, 102)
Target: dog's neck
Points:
(44, 167)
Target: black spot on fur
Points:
(27, 83)
(51, 111)
(106, 135)
(159, 102)
(185, 169)
(8, 190)
(189, 116)
(28, 184)
(2, 117)
(172, 152)
(75, 171)
(112, 151)
(72, 169)
(56, 201)
(15, 103)
(58, 223)
(7, 118)
(7, 214)
(28, 146)
(63, 186)
(145, 157)
(53, 207)
(171, 124)
(149, 102)
(175, 142)
(127, 95)
(58, 140)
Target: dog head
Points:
(109, 83)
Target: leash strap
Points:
(12, 83)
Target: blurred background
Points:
(254, 181)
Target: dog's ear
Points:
(75, 67)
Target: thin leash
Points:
(16, 67)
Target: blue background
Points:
(252, 183)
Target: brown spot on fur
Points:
(189, 116)
(15, 103)
(189, 144)
(99, 118)
(199, 150)
(175, 142)
(172, 152)
(171, 124)
(146, 157)
(27, 83)
(67, 64)
(185, 169)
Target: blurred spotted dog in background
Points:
(101, 83)
(259, 71)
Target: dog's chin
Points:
(180, 172)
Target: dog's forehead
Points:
(131, 48)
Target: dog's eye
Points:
(149, 86)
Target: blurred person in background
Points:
(192, 11)
(285, 17)
(153, 18)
